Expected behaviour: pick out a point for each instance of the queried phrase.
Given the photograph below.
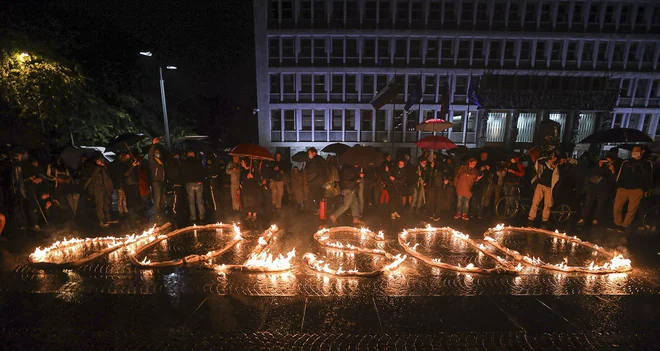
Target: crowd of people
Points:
(207, 187)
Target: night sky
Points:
(210, 41)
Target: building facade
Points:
(588, 65)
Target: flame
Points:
(266, 260)
(145, 260)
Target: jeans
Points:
(463, 205)
(196, 196)
(277, 192)
(633, 197)
(544, 193)
(594, 205)
(350, 200)
(235, 202)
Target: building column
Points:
(511, 131)
(482, 118)
(571, 134)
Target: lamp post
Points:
(162, 96)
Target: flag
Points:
(415, 95)
(386, 95)
(472, 96)
(444, 100)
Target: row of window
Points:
(432, 51)
(346, 87)
(451, 14)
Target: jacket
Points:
(234, 171)
(635, 174)
(518, 173)
(194, 171)
(540, 166)
(315, 171)
(174, 171)
(156, 168)
(465, 179)
(349, 177)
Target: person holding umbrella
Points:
(250, 190)
(234, 171)
(99, 186)
(194, 175)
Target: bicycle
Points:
(509, 206)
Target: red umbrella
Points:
(436, 142)
(252, 151)
(434, 125)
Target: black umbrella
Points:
(300, 157)
(617, 135)
(71, 155)
(362, 156)
(124, 140)
(655, 147)
(336, 148)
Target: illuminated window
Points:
(495, 127)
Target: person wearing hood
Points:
(194, 176)
(157, 172)
(634, 180)
(547, 176)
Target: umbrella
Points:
(191, 137)
(655, 147)
(196, 143)
(617, 135)
(435, 142)
(125, 140)
(300, 157)
(494, 153)
(362, 156)
(434, 125)
(336, 148)
(71, 155)
(459, 149)
(252, 151)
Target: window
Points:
(288, 48)
(647, 122)
(633, 121)
(464, 49)
(417, 13)
(401, 47)
(429, 84)
(494, 50)
(495, 127)
(411, 120)
(319, 119)
(642, 87)
(446, 49)
(289, 120)
(337, 117)
(287, 9)
(415, 49)
(274, 48)
(338, 11)
(305, 119)
(352, 11)
(381, 117)
(461, 85)
(402, 12)
(556, 51)
(571, 51)
(432, 50)
(457, 121)
(586, 125)
(384, 12)
(381, 81)
(367, 84)
(305, 10)
(306, 83)
(275, 120)
(383, 50)
(274, 83)
(351, 48)
(319, 50)
(337, 48)
(369, 48)
(289, 82)
(366, 120)
(349, 116)
(471, 122)
(526, 126)
(305, 49)
(319, 84)
(319, 12)
(412, 81)
(337, 84)
(370, 10)
(273, 12)
(351, 86)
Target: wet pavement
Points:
(110, 303)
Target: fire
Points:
(266, 261)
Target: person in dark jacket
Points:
(194, 175)
(174, 177)
(116, 170)
(315, 178)
(423, 175)
(598, 181)
(99, 185)
(633, 181)
(483, 190)
(250, 189)
(157, 175)
(349, 178)
(215, 169)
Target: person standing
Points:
(296, 186)
(99, 185)
(194, 175)
(130, 184)
(116, 170)
(276, 177)
(250, 190)
(234, 171)
(466, 177)
(214, 168)
(514, 173)
(598, 185)
(633, 181)
(547, 176)
(157, 171)
(422, 185)
(315, 178)
(174, 176)
(484, 188)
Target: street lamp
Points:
(162, 96)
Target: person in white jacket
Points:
(547, 176)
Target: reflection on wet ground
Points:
(414, 306)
